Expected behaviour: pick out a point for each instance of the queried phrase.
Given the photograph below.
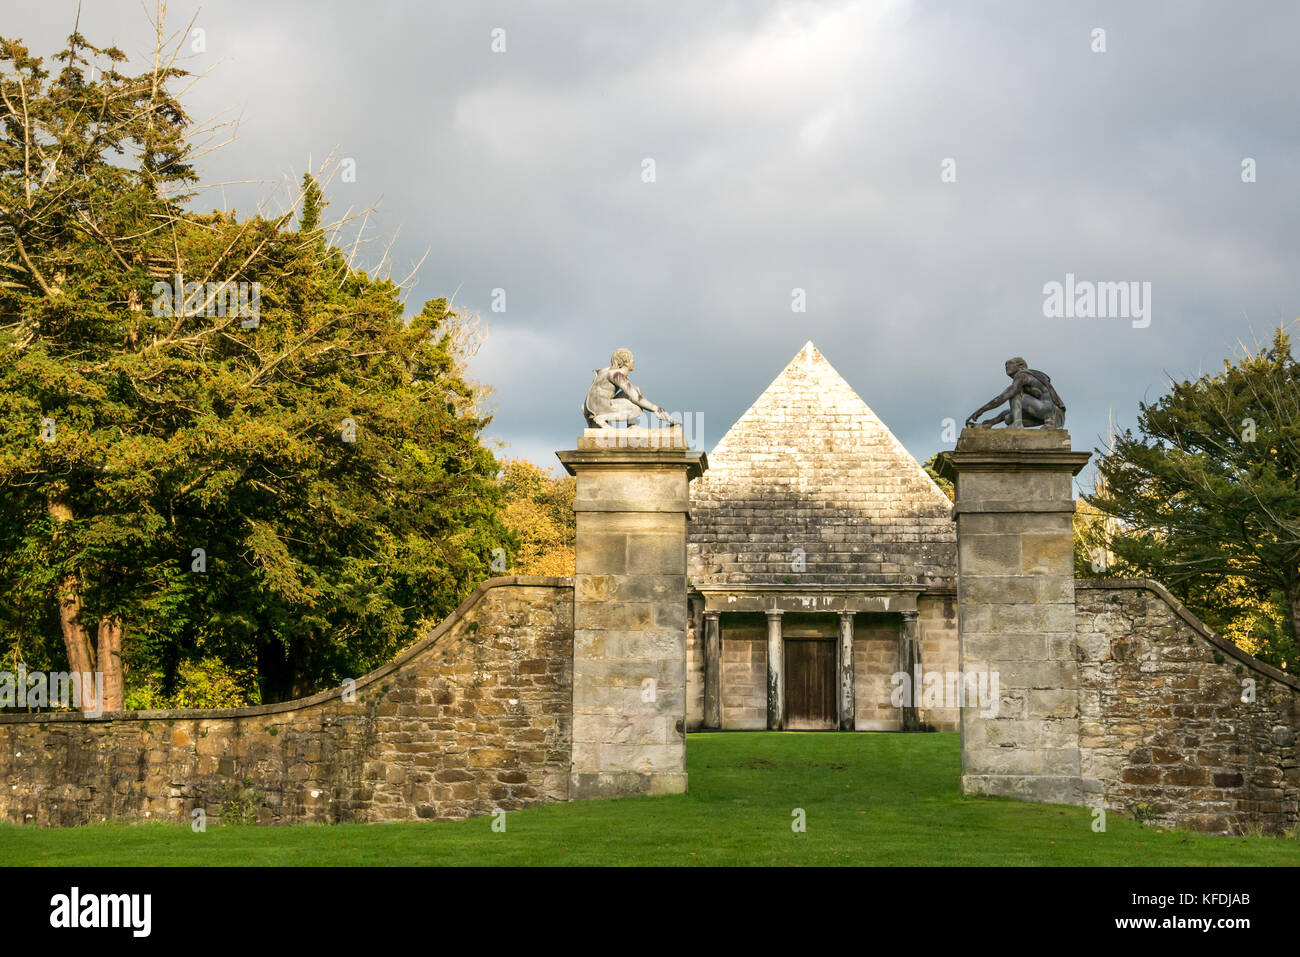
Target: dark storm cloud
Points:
(796, 145)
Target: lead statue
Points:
(613, 398)
(1033, 401)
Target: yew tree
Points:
(217, 437)
(1206, 496)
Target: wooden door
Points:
(810, 684)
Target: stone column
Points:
(629, 611)
(712, 671)
(1015, 611)
(909, 663)
(775, 672)
(848, 699)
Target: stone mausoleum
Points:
(822, 561)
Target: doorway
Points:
(810, 684)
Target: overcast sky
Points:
(795, 146)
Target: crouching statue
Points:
(613, 398)
(1033, 401)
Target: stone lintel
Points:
(826, 599)
(1017, 440)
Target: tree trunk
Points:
(76, 640)
(110, 662)
(273, 672)
(1293, 603)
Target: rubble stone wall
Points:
(1175, 722)
(475, 717)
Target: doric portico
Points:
(807, 613)
(629, 628)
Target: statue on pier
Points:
(1033, 403)
(613, 398)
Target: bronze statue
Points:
(613, 398)
(1033, 401)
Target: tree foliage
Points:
(945, 485)
(1206, 499)
(285, 483)
(539, 512)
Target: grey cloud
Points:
(797, 145)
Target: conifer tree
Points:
(217, 439)
(1206, 497)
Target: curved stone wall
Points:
(1177, 718)
(474, 717)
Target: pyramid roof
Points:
(810, 487)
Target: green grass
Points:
(888, 799)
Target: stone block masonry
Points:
(475, 717)
(1174, 717)
(629, 611)
(810, 475)
(1112, 694)
(538, 690)
(1015, 616)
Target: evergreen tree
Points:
(217, 440)
(1206, 498)
(945, 485)
(313, 204)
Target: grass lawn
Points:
(877, 799)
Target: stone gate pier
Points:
(629, 611)
(1111, 693)
(1015, 610)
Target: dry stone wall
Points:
(1163, 727)
(475, 717)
